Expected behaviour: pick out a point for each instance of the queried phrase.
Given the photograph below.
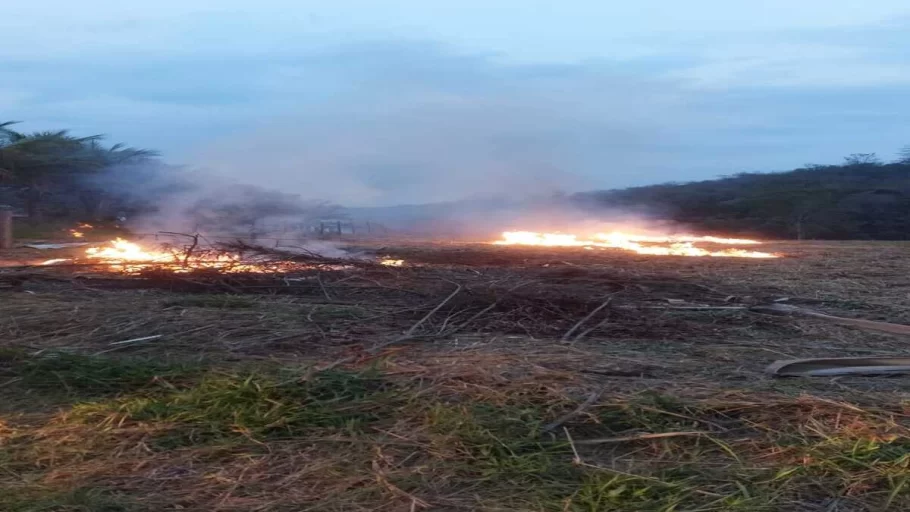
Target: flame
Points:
(80, 232)
(130, 257)
(120, 251)
(677, 245)
(391, 263)
(55, 261)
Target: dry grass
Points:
(271, 397)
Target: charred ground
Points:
(449, 383)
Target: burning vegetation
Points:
(676, 245)
(127, 256)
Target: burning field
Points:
(535, 371)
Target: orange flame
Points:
(683, 245)
(125, 256)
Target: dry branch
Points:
(575, 327)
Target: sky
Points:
(386, 102)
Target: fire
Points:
(80, 232)
(391, 263)
(120, 251)
(55, 261)
(130, 257)
(681, 245)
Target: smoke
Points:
(414, 124)
(484, 144)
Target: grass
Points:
(211, 301)
(83, 376)
(254, 406)
(39, 499)
(687, 420)
(423, 444)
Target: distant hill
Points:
(863, 201)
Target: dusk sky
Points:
(405, 101)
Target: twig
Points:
(577, 458)
(590, 329)
(484, 310)
(586, 318)
(639, 437)
(136, 340)
(409, 334)
(189, 250)
(426, 317)
(322, 286)
(595, 396)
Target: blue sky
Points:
(407, 101)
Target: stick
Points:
(484, 310)
(577, 458)
(575, 327)
(439, 306)
(595, 396)
(588, 331)
(324, 291)
(409, 334)
(135, 340)
(638, 437)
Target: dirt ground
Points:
(474, 377)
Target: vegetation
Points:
(860, 199)
(143, 398)
(41, 162)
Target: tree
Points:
(862, 159)
(903, 156)
(93, 194)
(43, 160)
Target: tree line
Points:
(863, 198)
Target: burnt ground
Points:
(449, 383)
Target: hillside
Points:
(864, 201)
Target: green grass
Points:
(256, 406)
(85, 376)
(379, 433)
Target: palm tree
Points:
(118, 158)
(43, 159)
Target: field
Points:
(474, 377)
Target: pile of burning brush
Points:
(199, 255)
